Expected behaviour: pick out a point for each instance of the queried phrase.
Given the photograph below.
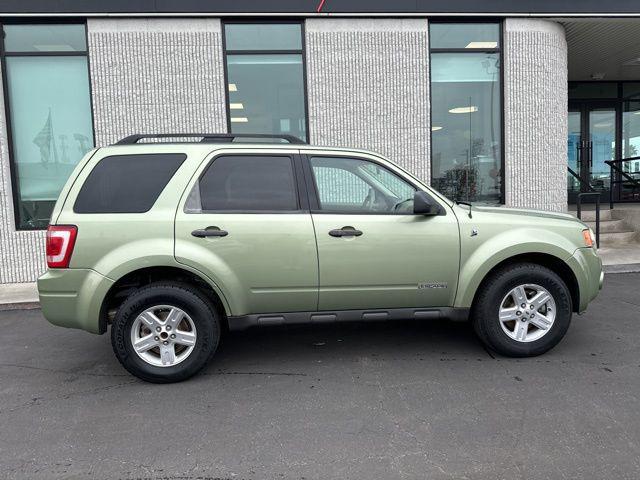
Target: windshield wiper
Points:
(459, 202)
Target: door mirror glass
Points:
(424, 205)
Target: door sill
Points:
(243, 322)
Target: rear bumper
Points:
(72, 297)
(587, 266)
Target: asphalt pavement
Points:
(357, 401)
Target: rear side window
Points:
(127, 183)
(246, 183)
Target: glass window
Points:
(357, 186)
(578, 90)
(127, 183)
(250, 36)
(630, 148)
(51, 128)
(466, 115)
(465, 35)
(266, 90)
(246, 183)
(49, 113)
(631, 90)
(631, 130)
(45, 38)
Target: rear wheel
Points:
(165, 332)
(522, 310)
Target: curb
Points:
(622, 268)
(6, 307)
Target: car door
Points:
(373, 252)
(244, 223)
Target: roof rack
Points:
(207, 137)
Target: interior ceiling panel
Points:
(603, 46)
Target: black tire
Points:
(191, 301)
(485, 310)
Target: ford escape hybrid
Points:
(168, 244)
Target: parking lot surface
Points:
(357, 401)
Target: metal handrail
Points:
(592, 192)
(581, 180)
(579, 212)
(629, 178)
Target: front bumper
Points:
(587, 266)
(72, 297)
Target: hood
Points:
(527, 212)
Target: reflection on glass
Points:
(573, 151)
(44, 38)
(250, 36)
(630, 148)
(466, 151)
(464, 35)
(51, 128)
(602, 126)
(268, 94)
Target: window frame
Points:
(302, 199)
(13, 168)
(314, 196)
(500, 51)
(301, 52)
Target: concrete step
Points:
(611, 226)
(617, 239)
(590, 215)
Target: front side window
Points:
(466, 111)
(347, 185)
(265, 73)
(238, 183)
(49, 112)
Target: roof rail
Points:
(207, 137)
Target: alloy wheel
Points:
(163, 335)
(527, 312)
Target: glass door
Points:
(573, 152)
(602, 147)
(592, 141)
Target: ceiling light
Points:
(469, 109)
(597, 75)
(239, 119)
(482, 45)
(435, 128)
(633, 61)
(232, 87)
(236, 106)
(602, 124)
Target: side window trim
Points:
(302, 199)
(314, 195)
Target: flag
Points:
(44, 139)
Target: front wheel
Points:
(522, 310)
(165, 332)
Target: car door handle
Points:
(345, 232)
(210, 232)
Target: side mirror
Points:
(424, 205)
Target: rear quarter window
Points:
(127, 183)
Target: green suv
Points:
(172, 243)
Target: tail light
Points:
(60, 242)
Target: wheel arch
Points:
(552, 262)
(137, 278)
